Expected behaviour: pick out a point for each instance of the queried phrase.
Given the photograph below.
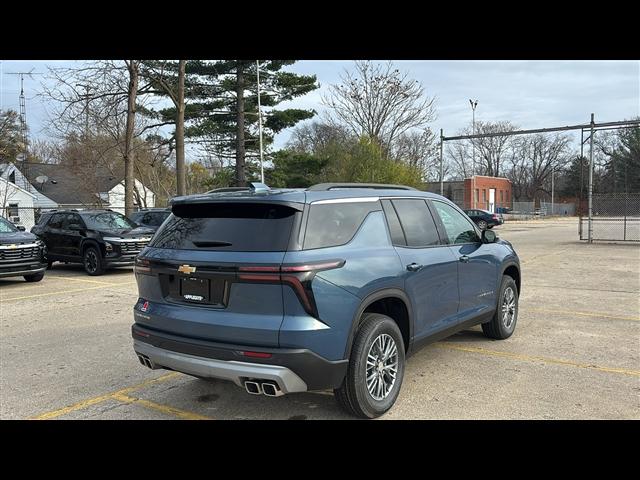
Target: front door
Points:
(477, 268)
(492, 200)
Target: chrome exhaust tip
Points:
(253, 387)
(271, 390)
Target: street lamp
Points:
(474, 104)
(260, 121)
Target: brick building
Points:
(491, 193)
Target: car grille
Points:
(20, 253)
(133, 247)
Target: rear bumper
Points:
(21, 269)
(295, 370)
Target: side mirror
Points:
(20, 227)
(75, 227)
(489, 236)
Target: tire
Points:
(34, 278)
(482, 225)
(502, 326)
(375, 331)
(49, 265)
(92, 261)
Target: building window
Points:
(484, 195)
(477, 195)
(501, 196)
(13, 210)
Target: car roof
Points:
(301, 196)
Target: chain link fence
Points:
(615, 217)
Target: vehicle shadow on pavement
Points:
(470, 336)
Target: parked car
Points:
(98, 239)
(485, 219)
(332, 287)
(21, 253)
(150, 218)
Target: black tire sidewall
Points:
(373, 326)
(98, 270)
(505, 332)
(34, 278)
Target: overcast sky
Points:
(530, 94)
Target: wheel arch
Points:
(385, 301)
(512, 269)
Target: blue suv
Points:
(331, 287)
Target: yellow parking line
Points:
(102, 398)
(176, 412)
(532, 358)
(585, 314)
(58, 292)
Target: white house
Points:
(17, 204)
(64, 186)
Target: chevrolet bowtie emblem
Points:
(186, 269)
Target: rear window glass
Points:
(417, 223)
(334, 224)
(239, 227)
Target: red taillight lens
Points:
(297, 276)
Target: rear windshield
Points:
(238, 227)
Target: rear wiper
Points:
(208, 244)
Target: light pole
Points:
(474, 104)
(260, 121)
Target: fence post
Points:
(591, 182)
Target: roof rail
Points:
(337, 186)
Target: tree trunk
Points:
(129, 177)
(180, 167)
(240, 147)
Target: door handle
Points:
(414, 267)
(464, 259)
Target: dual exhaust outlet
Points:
(259, 387)
(144, 360)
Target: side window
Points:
(397, 235)
(333, 224)
(417, 223)
(56, 221)
(157, 219)
(458, 228)
(74, 218)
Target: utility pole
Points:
(591, 181)
(260, 121)
(441, 165)
(86, 97)
(552, 185)
(474, 104)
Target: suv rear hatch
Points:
(197, 275)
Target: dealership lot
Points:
(65, 349)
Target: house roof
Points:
(17, 187)
(68, 186)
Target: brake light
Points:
(297, 276)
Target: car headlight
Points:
(108, 247)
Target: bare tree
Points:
(379, 101)
(129, 176)
(533, 159)
(419, 149)
(316, 136)
(492, 150)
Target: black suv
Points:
(21, 253)
(150, 217)
(96, 238)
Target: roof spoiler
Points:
(253, 186)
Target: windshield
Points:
(107, 221)
(6, 227)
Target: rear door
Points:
(431, 272)
(214, 272)
(52, 234)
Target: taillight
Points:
(297, 276)
(142, 266)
